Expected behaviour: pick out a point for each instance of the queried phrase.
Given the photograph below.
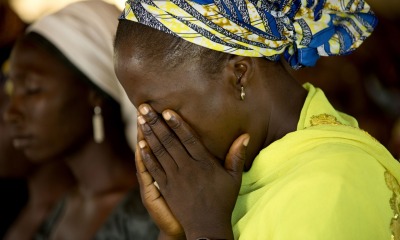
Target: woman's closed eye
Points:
(31, 87)
(25, 87)
(32, 90)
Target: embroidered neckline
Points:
(394, 201)
(328, 119)
(324, 119)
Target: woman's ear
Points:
(243, 68)
(243, 71)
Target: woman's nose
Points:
(12, 113)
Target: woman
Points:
(13, 165)
(214, 102)
(67, 106)
(29, 191)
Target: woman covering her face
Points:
(67, 105)
(230, 146)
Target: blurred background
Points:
(29, 10)
(365, 84)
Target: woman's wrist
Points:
(213, 238)
(215, 228)
(163, 236)
(205, 238)
(218, 233)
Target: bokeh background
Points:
(29, 10)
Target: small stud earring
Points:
(242, 93)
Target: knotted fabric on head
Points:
(302, 30)
(84, 33)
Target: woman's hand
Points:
(199, 191)
(170, 229)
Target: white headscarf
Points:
(84, 33)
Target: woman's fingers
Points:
(236, 157)
(186, 135)
(148, 191)
(156, 144)
(139, 132)
(147, 163)
(155, 203)
(162, 140)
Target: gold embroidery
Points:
(324, 119)
(327, 119)
(394, 186)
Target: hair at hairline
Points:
(166, 49)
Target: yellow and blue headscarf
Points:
(302, 30)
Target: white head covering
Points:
(84, 33)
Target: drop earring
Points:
(242, 93)
(98, 126)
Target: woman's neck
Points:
(100, 169)
(275, 108)
(289, 102)
(48, 182)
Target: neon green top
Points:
(327, 180)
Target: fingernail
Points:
(156, 184)
(144, 110)
(246, 141)
(141, 120)
(142, 144)
(167, 115)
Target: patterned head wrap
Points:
(84, 33)
(302, 30)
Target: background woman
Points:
(29, 191)
(68, 106)
(21, 180)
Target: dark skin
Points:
(37, 77)
(194, 135)
(40, 179)
(51, 112)
(13, 164)
(11, 28)
(46, 182)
